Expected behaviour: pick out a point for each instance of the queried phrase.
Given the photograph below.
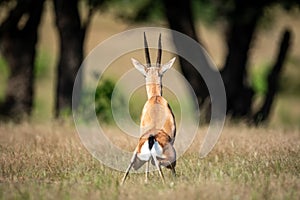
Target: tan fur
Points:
(153, 89)
(158, 120)
(158, 115)
(157, 126)
(162, 138)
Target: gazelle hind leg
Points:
(126, 173)
(129, 167)
(147, 171)
(157, 164)
(173, 171)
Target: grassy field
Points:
(49, 162)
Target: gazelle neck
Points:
(153, 89)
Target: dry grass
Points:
(49, 162)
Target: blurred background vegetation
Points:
(41, 50)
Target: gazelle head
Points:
(153, 72)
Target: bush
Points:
(103, 100)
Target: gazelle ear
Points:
(139, 66)
(166, 66)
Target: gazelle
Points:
(157, 126)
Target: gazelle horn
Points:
(158, 62)
(147, 51)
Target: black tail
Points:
(151, 141)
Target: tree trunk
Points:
(263, 113)
(18, 48)
(179, 15)
(71, 35)
(243, 22)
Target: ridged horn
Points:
(147, 51)
(158, 61)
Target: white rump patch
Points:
(145, 153)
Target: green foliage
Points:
(259, 80)
(103, 103)
(3, 76)
(103, 100)
(41, 65)
(138, 10)
(152, 10)
(206, 11)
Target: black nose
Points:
(151, 141)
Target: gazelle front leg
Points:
(147, 171)
(157, 164)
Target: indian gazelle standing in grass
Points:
(157, 126)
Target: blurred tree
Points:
(242, 18)
(262, 114)
(180, 17)
(72, 28)
(18, 38)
